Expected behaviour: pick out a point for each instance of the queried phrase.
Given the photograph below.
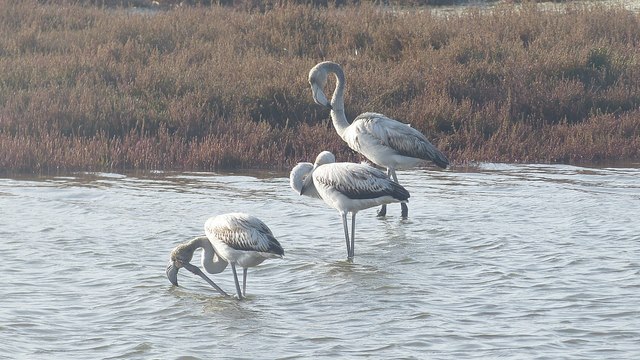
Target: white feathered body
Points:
(351, 187)
(242, 239)
(389, 143)
(297, 179)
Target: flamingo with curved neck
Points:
(235, 239)
(385, 142)
(347, 187)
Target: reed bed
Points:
(85, 87)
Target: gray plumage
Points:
(244, 240)
(385, 142)
(348, 188)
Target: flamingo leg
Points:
(235, 277)
(346, 232)
(244, 281)
(353, 235)
(404, 210)
(392, 175)
(403, 206)
(383, 209)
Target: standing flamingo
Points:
(347, 187)
(234, 238)
(385, 142)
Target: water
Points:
(518, 262)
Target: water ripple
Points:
(511, 261)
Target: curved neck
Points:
(298, 174)
(338, 116)
(210, 260)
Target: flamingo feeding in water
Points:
(236, 239)
(385, 142)
(347, 187)
(181, 257)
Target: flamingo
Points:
(234, 238)
(385, 142)
(244, 240)
(347, 187)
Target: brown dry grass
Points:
(201, 88)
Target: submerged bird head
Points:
(181, 257)
(318, 79)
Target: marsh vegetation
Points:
(211, 87)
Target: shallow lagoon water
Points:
(510, 261)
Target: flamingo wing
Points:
(244, 232)
(358, 181)
(379, 130)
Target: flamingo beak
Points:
(308, 182)
(172, 273)
(319, 97)
(196, 270)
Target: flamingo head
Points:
(318, 79)
(180, 257)
(305, 185)
(325, 157)
(298, 175)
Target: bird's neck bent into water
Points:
(210, 260)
